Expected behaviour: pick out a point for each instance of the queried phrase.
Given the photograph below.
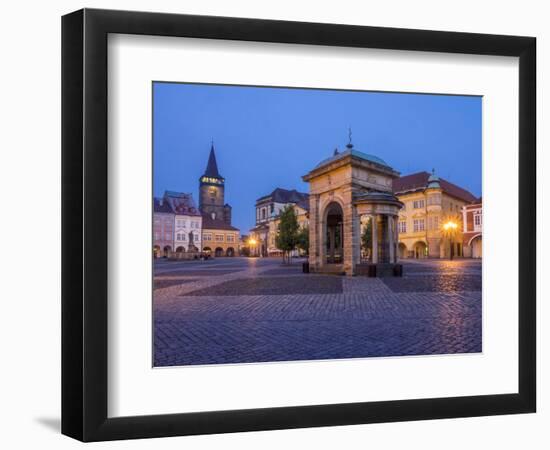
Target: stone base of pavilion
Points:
(379, 269)
(363, 269)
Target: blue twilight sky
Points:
(269, 137)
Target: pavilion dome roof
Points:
(353, 152)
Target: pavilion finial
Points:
(350, 145)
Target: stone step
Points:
(336, 269)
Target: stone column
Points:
(391, 238)
(374, 219)
(356, 239)
(348, 243)
(314, 231)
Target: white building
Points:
(187, 223)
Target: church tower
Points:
(212, 191)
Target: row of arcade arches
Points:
(167, 250)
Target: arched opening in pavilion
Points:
(334, 234)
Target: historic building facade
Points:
(268, 210)
(431, 204)
(472, 219)
(187, 222)
(176, 225)
(219, 237)
(163, 228)
(342, 189)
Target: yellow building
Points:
(218, 237)
(268, 209)
(303, 221)
(430, 203)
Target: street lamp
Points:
(450, 228)
(252, 243)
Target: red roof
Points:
(419, 181)
(215, 224)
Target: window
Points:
(167, 237)
(157, 236)
(418, 225)
(434, 199)
(417, 204)
(207, 237)
(433, 223)
(230, 238)
(477, 220)
(219, 237)
(402, 227)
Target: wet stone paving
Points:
(242, 310)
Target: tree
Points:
(303, 239)
(366, 238)
(287, 232)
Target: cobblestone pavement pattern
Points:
(239, 310)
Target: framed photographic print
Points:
(273, 224)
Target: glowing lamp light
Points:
(450, 226)
(252, 241)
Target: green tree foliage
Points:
(287, 232)
(366, 237)
(303, 239)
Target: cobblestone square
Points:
(257, 310)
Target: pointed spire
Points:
(212, 166)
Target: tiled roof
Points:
(215, 224)
(418, 181)
(181, 203)
(280, 195)
(161, 206)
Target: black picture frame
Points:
(84, 224)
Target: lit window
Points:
(402, 226)
(418, 225)
(207, 237)
(230, 238)
(219, 237)
(418, 204)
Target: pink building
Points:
(472, 219)
(163, 228)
